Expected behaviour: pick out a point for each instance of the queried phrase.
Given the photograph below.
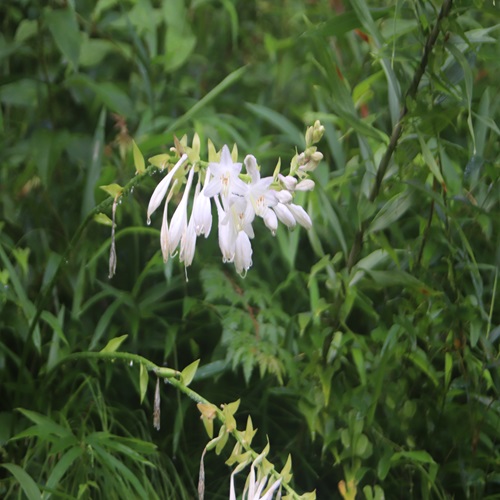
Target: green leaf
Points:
(26, 482)
(140, 165)
(414, 456)
(429, 160)
(113, 190)
(189, 372)
(62, 466)
(290, 131)
(114, 344)
(94, 165)
(231, 79)
(143, 381)
(63, 26)
(394, 209)
(103, 219)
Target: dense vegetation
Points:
(365, 347)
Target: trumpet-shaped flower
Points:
(178, 224)
(162, 188)
(202, 211)
(225, 180)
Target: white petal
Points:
(188, 244)
(284, 215)
(271, 221)
(251, 166)
(162, 188)
(301, 216)
(271, 490)
(226, 240)
(243, 253)
(305, 185)
(289, 181)
(284, 196)
(202, 213)
(178, 224)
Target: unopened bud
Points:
(288, 182)
(318, 131)
(305, 185)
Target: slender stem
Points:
(102, 207)
(411, 93)
(173, 377)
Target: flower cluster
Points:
(238, 198)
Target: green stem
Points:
(174, 378)
(411, 94)
(102, 207)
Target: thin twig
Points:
(398, 128)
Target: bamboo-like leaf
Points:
(114, 344)
(429, 159)
(26, 482)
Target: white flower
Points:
(162, 188)
(188, 244)
(258, 194)
(227, 234)
(253, 488)
(178, 224)
(305, 185)
(300, 215)
(284, 215)
(243, 253)
(225, 179)
(202, 211)
(289, 182)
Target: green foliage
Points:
(366, 348)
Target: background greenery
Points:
(367, 347)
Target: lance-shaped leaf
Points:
(143, 381)
(114, 344)
(189, 372)
(139, 163)
(113, 190)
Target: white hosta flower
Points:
(243, 253)
(284, 215)
(258, 194)
(188, 244)
(178, 224)
(227, 234)
(225, 180)
(284, 196)
(271, 221)
(254, 488)
(162, 188)
(289, 182)
(202, 210)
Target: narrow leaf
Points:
(143, 381)
(140, 165)
(26, 482)
(114, 344)
(189, 372)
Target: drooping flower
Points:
(178, 224)
(162, 188)
(202, 211)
